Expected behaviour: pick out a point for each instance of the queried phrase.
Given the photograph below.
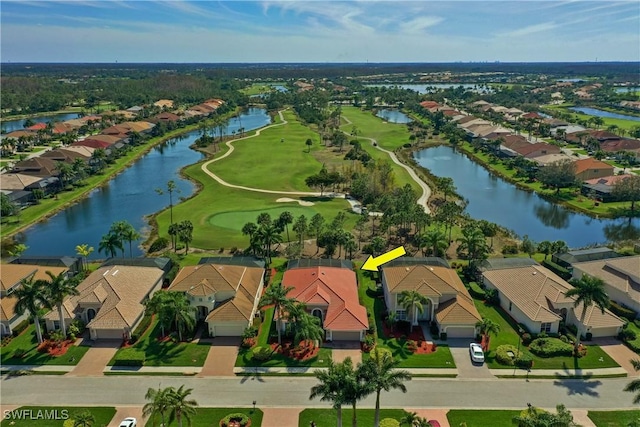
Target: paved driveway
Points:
(618, 352)
(96, 359)
(460, 352)
(123, 412)
(221, 358)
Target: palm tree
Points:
(84, 251)
(435, 239)
(83, 419)
(488, 327)
(413, 302)
(285, 219)
(411, 419)
(58, 288)
(380, 373)
(276, 294)
(300, 226)
(109, 243)
(130, 235)
(331, 387)
(30, 296)
(268, 235)
(182, 313)
(171, 188)
(473, 243)
(159, 402)
(307, 328)
(634, 386)
(180, 406)
(185, 233)
(158, 305)
(588, 291)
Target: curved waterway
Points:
(129, 196)
(11, 125)
(499, 201)
(602, 113)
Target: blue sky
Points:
(318, 31)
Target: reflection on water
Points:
(624, 230)
(552, 216)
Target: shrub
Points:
(564, 338)
(389, 422)
(503, 357)
(412, 346)
(627, 335)
(19, 353)
(133, 339)
(492, 297)
(129, 357)
(261, 353)
(558, 269)
(443, 336)
(622, 311)
(159, 244)
(550, 347)
(239, 417)
(476, 291)
(20, 328)
(250, 332)
(524, 361)
(143, 325)
(526, 338)
(510, 250)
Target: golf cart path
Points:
(422, 200)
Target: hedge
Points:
(558, 269)
(503, 358)
(623, 311)
(143, 325)
(550, 347)
(20, 327)
(241, 418)
(476, 291)
(129, 357)
(261, 353)
(389, 422)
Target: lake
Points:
(11, 125)
(129, 196)
(496, 200)
(601, 113)
(433, 87)
(626, 89)
(393, 116)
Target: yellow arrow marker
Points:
(372, 263)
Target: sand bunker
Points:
(300, 202)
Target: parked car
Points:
(129, 422)
(477, 355)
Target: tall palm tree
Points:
(588, 290)
(109, 243)
(158, 404)
(130, 235)
(413, 302)
(434, 239)
(488, 327)
(180, 406)
(31, 296)
(182, 313)
(473, 243)
(84, 251)
(381, 374)
(634, 386)
(268, 235)
(285, 219)
(307, 328)
(171, 188)
(58, 288)
(159, 305)
(276, 294)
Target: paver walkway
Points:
(618, 352)
(280, 417)
(340, 354)
(123, 412)
(95, 360)
(581, 418)
(439, 415)
(221, 358)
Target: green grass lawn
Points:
(508, 335)
(207, 417)
(482, 418)
(27, 341)
(441, 358)
(613, 418)
(168, 353)
(328, 417)
(634, 327)
(54, 416)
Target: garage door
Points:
(345, 335)
(109, 334)
(461, 332)
(227, 330)
(604, 332)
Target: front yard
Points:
(595, 358)
(441, 358)
(328, 417)
(27, 343)
(167, 353)
(482, 418)
(613, 418)
(213, 416)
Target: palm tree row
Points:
(120, 232)
(172, 402)
(346, 384)
(173, 311)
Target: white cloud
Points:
(418, 25)
(530, 29)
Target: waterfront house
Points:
(591, 168)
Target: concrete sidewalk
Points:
(39, 368)
(310, 370)
(560, 372)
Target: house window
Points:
(401, 314)
(56, 325)
(545, 327)
(200, 299)
(510, 305)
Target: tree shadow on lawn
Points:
(316, 199)
(158, 353)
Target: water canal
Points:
(601, 113)
(129, 196)
(499, 201)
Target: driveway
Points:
(96, 359)
(221, 358)
(618, 352)
(460, 351)
(123, 412)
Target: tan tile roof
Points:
(534, 289)
(12, 274)
(622, 274)
(16, 181)
(8, 307)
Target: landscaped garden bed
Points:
(213, 417)
(328, 417)
(25, 350)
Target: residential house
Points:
(72, 264)
(621, 278)
(110, 301)
(602, 188)
(547, 159)
(11, 277)
(330, 293)
(164, 103)
(449, 304)
(535, 297)
(225, 293)
(591, 168)
(36, 166)
(537, 149)
(16, 181)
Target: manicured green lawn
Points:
(634, 327)
(613, 418)
(27, 341)
(54, 416)
(508, 335)
(441, 358)
(206, 417)
(482, 418)
(328, 417)
(168, 353)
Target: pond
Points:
(11, 125)
(627, 89)
(496, 200)
(601, 113)
(434, 87)
(393, 116)
(129, 196)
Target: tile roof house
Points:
(16, 181)
(538, 149)
(534, 296)
(621, 278)
(11, 276)
(602, 188)
(226, 296)
(110, 300)
(449, 304)
(591, 168)
(331, 294)
(36, 166)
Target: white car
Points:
(475, 350)
(129, 422)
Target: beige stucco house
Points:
(449, 303)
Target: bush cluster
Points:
(20, 328)
(239, 417)
(558, 269)
(129, 357)
(476, 291)
(622, 311)
(261, 353)
(389, 422)
(159, 244)
(550, 347)
(502, 356)
(143, 325)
